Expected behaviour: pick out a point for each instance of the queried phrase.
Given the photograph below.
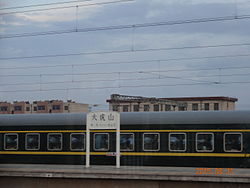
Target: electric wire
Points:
(65, 7)
(118, 72)
(46, 4)
(125, 51)
(125, 62)
(119, 27)
(124, 86)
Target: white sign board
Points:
(103, 120)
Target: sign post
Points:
(103, 120)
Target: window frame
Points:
(84, 145)
(5, 141)
(146, 108)
(169, 136)
(194, 105)
(133, 134)
(56, 105)
(159, 145)
(224, 143)
(125, 108)
(95, 142)
(156, 108)
(196, 143)
(41, 107)
(48, 141)
(216, 106)
(39, 142)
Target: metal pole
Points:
(118, 144)
(87, 146)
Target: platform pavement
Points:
(188, 174)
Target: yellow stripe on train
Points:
(127, 154)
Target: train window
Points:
(233, 142)
(151, 141)
(11, 141)
(32, 141)
(127, 142)
(77, 141)
(204, 142)
(177, 142)
(54, 141)
(101, 141)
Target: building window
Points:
(167, 107)
(127, 142)
(206, 106)
(136, 108)
(27, 108)
(204, 142)
(182, 108)
(151, 141)
(195, 107)
(216, 106)
(233, 142)
(156, 107)
(146, 108)
(77, 141)
(177, 142)
(115, 108)
(56, 107)
(40, 107)
(125, 108)
(3, 108)
(101, 141)
(17, 108)
(54, 141)
(32, 141)
(11, 141)
(66, 107)
(35, 108)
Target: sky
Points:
(194, 58)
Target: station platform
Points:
(164, 175)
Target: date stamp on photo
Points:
(214, 171)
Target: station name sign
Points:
(103, 120)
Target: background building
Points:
(53, 106)
(125, 103)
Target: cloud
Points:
(58, 16)
(194, 2)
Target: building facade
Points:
(125, 103)
(53, 106)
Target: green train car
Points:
(197, 139)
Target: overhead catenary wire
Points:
(122, 79)
(119, 27)
(119, 72)
(125, 51)
(125, 62)
(65, 7)
(124, 86)
(44, 4)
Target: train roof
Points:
(131, 118)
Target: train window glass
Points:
(32, 141)
(204, 142)
(54, 141)
(127, 142)
(233, 142)
(101, 141)
(11, 142)
(151, 141)
(177, 142)
(77, 141)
